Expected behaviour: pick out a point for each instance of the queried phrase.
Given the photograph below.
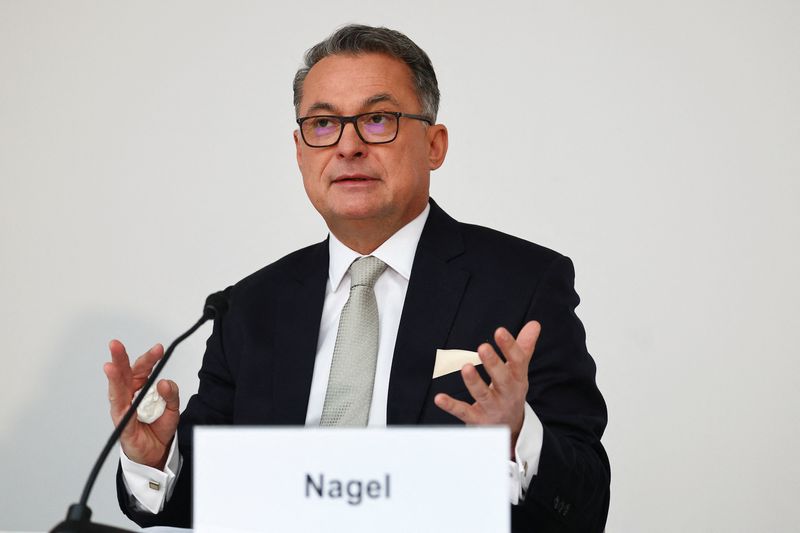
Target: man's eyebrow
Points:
(368, 102)
(380, 98)
(322, 106)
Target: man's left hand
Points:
(503, 401)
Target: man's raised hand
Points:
(503, 401)
(146, 444)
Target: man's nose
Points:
(350, 144)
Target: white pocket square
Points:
(448, 361)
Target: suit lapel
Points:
(434, 293)
(296, 335)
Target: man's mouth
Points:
(352, 178)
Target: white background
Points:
(146, 160)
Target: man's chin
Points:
(357, 207)
(359, 215)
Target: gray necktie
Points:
(349, 394)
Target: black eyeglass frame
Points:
(352, 119)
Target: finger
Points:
(475, 384)
(144, 363)
(529, 335)
(518, 352)
(119, 398)
(495, 367)
(119, 389)
(168, 390)
(508, 345)
(457, 408)
(115, 389)
(119, 358)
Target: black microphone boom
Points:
(79, 514)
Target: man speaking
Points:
(346, 332)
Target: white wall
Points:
(656, 143)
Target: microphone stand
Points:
(79, 514)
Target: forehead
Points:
(347, 83)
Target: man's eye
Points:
(378, 118)
(323, 126)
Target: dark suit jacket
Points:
(465, 282)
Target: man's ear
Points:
(297, 141)
(437, 145)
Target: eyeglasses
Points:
(379, 127)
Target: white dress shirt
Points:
(151, 487)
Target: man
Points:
(366, 143)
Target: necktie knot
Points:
(365, 271)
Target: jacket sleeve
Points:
(570, 491)
(211, 406)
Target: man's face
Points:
(357, 186)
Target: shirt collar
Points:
(397, 252)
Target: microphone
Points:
(79, 514)
(216, 305)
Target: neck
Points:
(366, 235)
(363, 236)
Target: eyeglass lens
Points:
(373, 127)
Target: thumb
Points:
(168, 390)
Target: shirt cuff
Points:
(149, 487)
(527, 453)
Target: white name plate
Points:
(354, 480)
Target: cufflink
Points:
(155, 485)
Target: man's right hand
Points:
(146, 444)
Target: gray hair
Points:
(355, 39)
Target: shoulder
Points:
(488, 253)
(479, 244)
(510, 261)
(502, 246)
(298, 267)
